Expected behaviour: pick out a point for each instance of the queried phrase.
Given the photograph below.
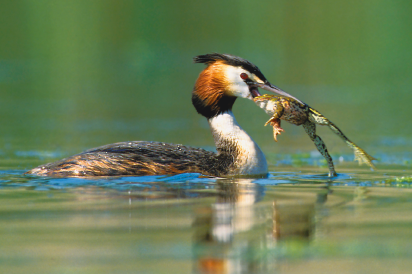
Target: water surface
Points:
(81, 74)
(295, 220)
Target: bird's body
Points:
(225, 78)
(132, 158)
(237, 154)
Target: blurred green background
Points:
(77, 74)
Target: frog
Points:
(299, 113)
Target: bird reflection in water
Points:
(240, 231)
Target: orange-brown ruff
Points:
(210, 86)
(219, 84)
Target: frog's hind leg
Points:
(310, 129)
(360, 154)
(317, 118)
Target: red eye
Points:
(244, 76)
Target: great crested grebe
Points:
(225, 78)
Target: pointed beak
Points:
(269, 87)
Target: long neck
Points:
(231, 139)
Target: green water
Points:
(288, 223)
(80, 74)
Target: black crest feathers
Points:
(230, 60)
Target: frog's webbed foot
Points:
(362, 157)
(332, 173)
(275, 123)
(276, 132)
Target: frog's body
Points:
(298, 113)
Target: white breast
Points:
(250, 159)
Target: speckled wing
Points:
(132, 158)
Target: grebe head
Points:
(225, 78)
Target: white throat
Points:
(228, 135)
